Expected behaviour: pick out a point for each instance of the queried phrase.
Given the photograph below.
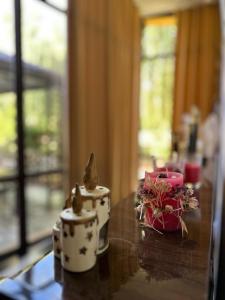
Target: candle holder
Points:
(96, 197)
(162, 201)
(98, 200)
(78, 236)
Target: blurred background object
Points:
(127, 80)
(180, 68)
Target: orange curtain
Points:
(197, 61)
(104, 51)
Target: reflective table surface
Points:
(139, 264)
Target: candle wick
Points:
(167, 173)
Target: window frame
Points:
(21, 177)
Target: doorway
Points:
(156, 89)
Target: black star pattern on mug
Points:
(83, 250)
(56, 238)
(64, 234)
(89, 236)
(91, 223)
(58, 251)
(102, 202)
(66, 257)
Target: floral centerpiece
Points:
(161, 204)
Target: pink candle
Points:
(174, 178)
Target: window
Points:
(156, 92)
(32, 83)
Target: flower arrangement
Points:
(162, 205)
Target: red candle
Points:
(174, 178)
(192, 172)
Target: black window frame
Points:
(21, 176)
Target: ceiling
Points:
(157, 7)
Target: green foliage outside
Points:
(43, 45)
(158, 40)
(44, 32)
(157, 79)
(42, 129)
(7, 132)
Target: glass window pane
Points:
(156, 92)
(44, 60)
(44, 37)
(8, 146)
(7, 27)
(45, 200)
(9, 237)
(62, 4)
(158, 40)
(43, 137)
(7, 135)
(157, 101)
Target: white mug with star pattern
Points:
(78, 240)
(99, 200)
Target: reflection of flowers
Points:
(157, 196)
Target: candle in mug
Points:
(160, 218)
(78, 236)
(173, 178)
